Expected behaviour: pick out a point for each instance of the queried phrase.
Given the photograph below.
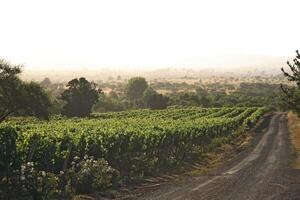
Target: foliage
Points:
(39, 184)
(213, 92)
(46, 82)
(184, 99)
(127, 144)
(9, 158)
(254, 94)
(18, 97)
(90, 175)
(109, 103)
(135, 88)
(292, 93)
(36, 102)
(79, 98)
(154, 100)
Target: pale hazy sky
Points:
(45, 34)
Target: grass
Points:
(294, 130)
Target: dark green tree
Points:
(190, 98)
(79, 98)
(201, 92)
(108, 103)
(154, 100)
(203, 97)
(35, 100)
(19, 97)
(134, 90)
(292, 93)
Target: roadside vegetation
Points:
(294, 130)
(292, 99)
(292, 93)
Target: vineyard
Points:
(81, 155)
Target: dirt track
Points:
(260, 172)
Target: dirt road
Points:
(261, 172)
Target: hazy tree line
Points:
(79, 97)
(137, 93)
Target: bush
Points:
(39, 184)
(91, 175)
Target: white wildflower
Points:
(23, 168)
(22, 178)
(43, 173)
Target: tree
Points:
(294, 76)
(35, 100)
(201, 92)
(19, 97)
(46, 82)
(79, 98)
(292, 93)
(134, 91)
(202, 96)
(108, 103)
(135, 88)
(154, 100)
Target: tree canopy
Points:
(135, 88)
(154, 100)
(19, 97)
(79, 98)
(292, 93)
